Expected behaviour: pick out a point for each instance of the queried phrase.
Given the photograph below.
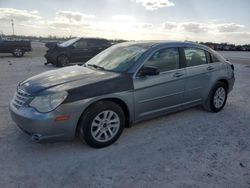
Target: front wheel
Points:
(17, 52)
(62, 61)
(102, 124)
(217, 98)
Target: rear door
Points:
(95, 47)
(155, 95)
(198, 75)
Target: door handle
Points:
(178, 74)
(210, 68)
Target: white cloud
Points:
(72, 16)
(145, 25)
(18, 15)
(169, 25)
(230, 27)
(69, 20)
(194, 27)
(155, 4)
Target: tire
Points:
(62, 61)
(98, 131)
(18, 52)
(217, 98)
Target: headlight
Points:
(48, 103)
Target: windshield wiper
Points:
(96, 66)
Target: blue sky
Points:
(198, 20)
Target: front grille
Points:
(20, 98)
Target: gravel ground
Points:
(191, 148)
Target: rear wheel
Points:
(102, 124)
(18, 52)
(217, 98)
(62, 61)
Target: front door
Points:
(158, 94)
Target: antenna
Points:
(12, 24)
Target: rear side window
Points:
(81, 44)
(98, 43)
(195, 57)
(164, 59)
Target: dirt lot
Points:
(192, 148)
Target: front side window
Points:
(164, 59)
(195, 57)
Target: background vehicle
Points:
(15, 46)
(74, 50)
(126, 83)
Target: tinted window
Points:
(97, 42)
(165, 59)
(195, 56)
(81, 44)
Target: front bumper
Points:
(42, 127)
(50, 58)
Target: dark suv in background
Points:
(15, 46)
(74, 50)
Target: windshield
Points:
(68, 42)
(117, 58)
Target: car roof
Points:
(89, 38)
(154, 43)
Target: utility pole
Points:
(12, 24)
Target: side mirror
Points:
(149, 71)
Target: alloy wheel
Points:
(105, 126)
(18, 52)
(219, 97)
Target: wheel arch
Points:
(223, 80)
(61, 54)
(116, 100)
(211, 86)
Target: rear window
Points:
(214, 59)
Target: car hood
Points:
(64, 76)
